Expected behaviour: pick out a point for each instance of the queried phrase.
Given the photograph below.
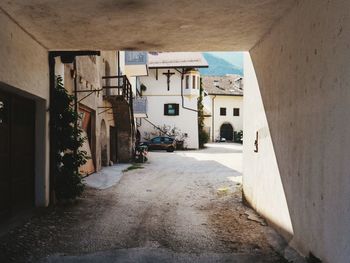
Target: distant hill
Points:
(219, 67)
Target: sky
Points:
(235, 58)
(222, 63)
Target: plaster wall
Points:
(158, 94)
(208, 126)
(228, 102)
(24, 71)
(186, 121)
(90, 70)
(262, 183)
(24, 62)
(147, 25)
(159, 87)
(122, 62)
(302, 72)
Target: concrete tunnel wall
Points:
(302, 69)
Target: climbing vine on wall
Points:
(66, 142)
(203, 136)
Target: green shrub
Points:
(203, 138)
(66, 141)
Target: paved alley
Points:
(179, 207)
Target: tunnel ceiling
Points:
(164, 25)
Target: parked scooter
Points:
(141, 151)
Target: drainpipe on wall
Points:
(212, 117)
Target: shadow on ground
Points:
(182, 207)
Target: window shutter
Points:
(176, 109)
(223, 111)
(165, 109)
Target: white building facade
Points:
(223, 106)
(172, 90)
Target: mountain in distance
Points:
(219, 66)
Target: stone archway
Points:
(103, 143)
(226, 131)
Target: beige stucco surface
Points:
(302, 70)
(24, 70)
(147, 24)
(24, 63)
(90, 71)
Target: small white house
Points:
(172, 90)
(223, 106)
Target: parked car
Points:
(162, 143)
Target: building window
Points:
(223, 111)
(171, 109)
(193, 82)
(235, 111)
(187, 82)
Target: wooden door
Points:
(22, 152)
(85, 125)
(17, 150)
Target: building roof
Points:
(176, 60)
(229, 85)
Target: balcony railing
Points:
(121, 88)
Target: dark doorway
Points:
(226, 131)
(17, 163)
(113, 144)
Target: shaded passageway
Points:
(297, 83)
(179, 207)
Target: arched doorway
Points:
(103, 141)
(226, 131)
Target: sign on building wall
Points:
(136, 58)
